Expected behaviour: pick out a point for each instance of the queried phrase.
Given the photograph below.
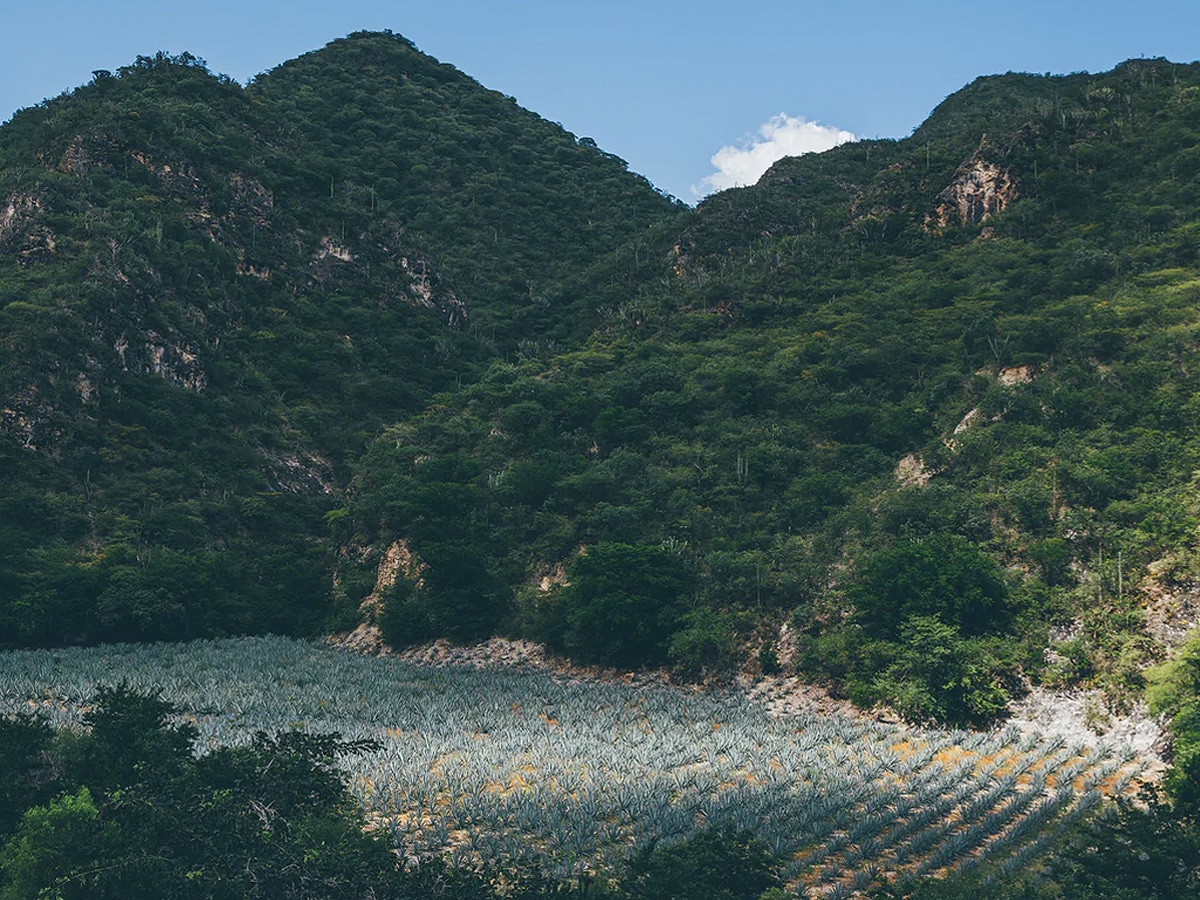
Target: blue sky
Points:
(663, 84)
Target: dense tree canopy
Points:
(622, 603)
(254, 338)
(212, 297)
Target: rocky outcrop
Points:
(397, 561)
(30, 419)
(169, 357)
(981, 189)
(22, 233)
(911, 471)
(1015, 375)
(424, 290)
(300, 471)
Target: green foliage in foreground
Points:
(125, 810)
(710, 866)
(133, 813)
(1175, 691)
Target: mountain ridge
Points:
(256, 338)
(160, 250)
(888, 306)
(364, 345)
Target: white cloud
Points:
(781, 136)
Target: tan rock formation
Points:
(981, 189)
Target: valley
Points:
(362, 346)
(503, 766)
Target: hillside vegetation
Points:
(365, 330)
(212, 297)
(365, 341)
(925, 400)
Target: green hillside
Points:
(213, 297)
(926, 402)
(363, 341)
(922, 399)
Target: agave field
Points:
(514, 766)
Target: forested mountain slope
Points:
(365, 341)
(927, 401)
(213, 296)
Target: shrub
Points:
(1174, 689)
(706, 646)
(712, 865)
(623, 603)
(926, 635)
(938, 674)
(945, 576)
(459, 598)
(403, 620)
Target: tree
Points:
(51, 843)
(944, 576)
(24, 758)
(1174, 689)
(141, 816)
(711, 865)
(927, 634)
(132, 739)
(623, 602)
(706, 644)
(938, 674)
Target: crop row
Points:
(507, 765)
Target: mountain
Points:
(363, 342)
(925, 402)
(213, 297)
(363, 338)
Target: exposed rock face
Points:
(552, 578)
(299, 472)
(1014, 375)
(9, 214)
(1171, 600)
(30, 419)
(21, 230)
(968, 420)
(333, 248)
(1079, 717)
(174, 361)
(423, 290)
(398, 561)
(981, 189)
(911, 471)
